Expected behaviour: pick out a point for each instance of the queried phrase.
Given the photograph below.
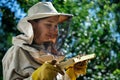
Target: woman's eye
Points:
(48, 25)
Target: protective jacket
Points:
(23, 58)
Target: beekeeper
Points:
(33, 55)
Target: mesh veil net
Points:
(64, 29)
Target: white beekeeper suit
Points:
(23, 57)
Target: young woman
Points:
(33, 55)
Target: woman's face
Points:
(46, 30)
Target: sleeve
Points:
(16, 65)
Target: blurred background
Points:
(95, 28)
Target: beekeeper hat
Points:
(45, 9)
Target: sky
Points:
(14, 7)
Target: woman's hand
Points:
(77, 69)
(80, 68)
(48, 71)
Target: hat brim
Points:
(62, 17)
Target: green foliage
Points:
(26, 4)
(93, 30)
